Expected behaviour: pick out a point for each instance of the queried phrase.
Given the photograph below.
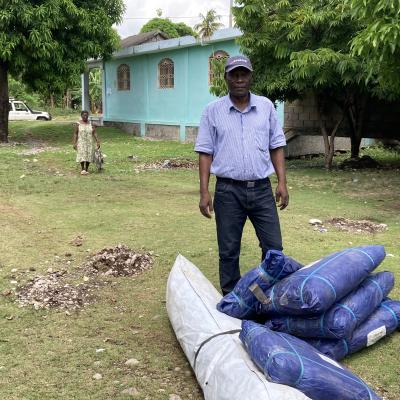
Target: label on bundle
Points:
(375, 335)
(330, 361)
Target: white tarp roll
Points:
(223, 368)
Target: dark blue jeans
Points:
(233, 203)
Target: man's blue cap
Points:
(236, 62)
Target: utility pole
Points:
(230, 13)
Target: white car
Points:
(19, 111)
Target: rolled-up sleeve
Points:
(276, 135)
(205, 137)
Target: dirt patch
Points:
(51, 291)
(354, 226)
(9, 209)
(119, 261)
(170, 164)
(55, 290)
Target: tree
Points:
(184, 30)
(209, 24)
(218, 85)
(303, 48)
(379, 40)
(165, 25)
(47, 42)
(95, 90)
(20, 91)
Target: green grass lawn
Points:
(45, 203)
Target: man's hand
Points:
(206, 204)
(282, 196)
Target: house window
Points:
(219, 55)
(124, 77)
(166, 73)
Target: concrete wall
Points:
(300, 145)
(382, 119)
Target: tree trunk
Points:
(52, 100)
(356, 111)
(329, 138)
(4, 104)
(355, 146)
(68, 95)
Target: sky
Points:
(138, 12)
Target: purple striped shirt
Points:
(239, 141)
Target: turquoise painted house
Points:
(160, 87)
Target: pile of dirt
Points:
(361, 226)
(170, 164)
(51, 291)
(118, 261)
(359, 163)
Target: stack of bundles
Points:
(315, 288)
(357, 320)
(243, 301)
(344, 316)
(383, 321)
(336, 304)
(290, 361)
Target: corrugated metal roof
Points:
(181, 42)
(130, 49)
(141, 38)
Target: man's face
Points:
(238, 81)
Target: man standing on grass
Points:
(241, 142)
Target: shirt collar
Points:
(230, 106)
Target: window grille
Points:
(124, 77)
(217, 55)
(166, 73)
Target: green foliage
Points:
(185, 30)
(95, 90)
(20, 91)
(218, 85)
(209, 24)
(379, 40)
(297, 47)
(47, 42)
(165, 25)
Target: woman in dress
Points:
(83, 142)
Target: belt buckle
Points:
(251, 184)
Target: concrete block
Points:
(191, 134)
(157, 131)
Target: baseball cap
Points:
(236, 62)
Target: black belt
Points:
(248, 184)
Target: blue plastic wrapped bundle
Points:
(343, 317)
(290, 361)
(315, 288)
(384, 321)
(249, 291)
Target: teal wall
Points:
(145, 102)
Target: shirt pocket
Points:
(261, 138)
